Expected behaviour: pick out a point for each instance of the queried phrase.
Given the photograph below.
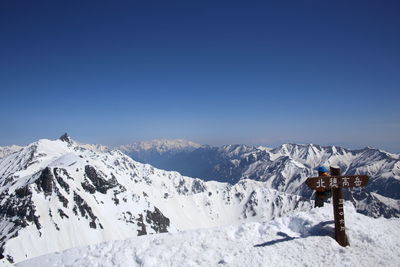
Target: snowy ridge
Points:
(286, 168)
(95, 147)
(58, 194)
(299, 239)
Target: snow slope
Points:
(58, 194)
(299, 239)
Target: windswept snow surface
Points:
(301, 239)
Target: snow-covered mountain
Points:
(58, 194)
(298, 239)
(285, 168)
(160, 146)
(7, 150)
(161, 153)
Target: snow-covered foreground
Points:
(301, 239)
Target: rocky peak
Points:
(65, 138)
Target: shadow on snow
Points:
(321, 229)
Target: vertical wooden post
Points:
(338, 211)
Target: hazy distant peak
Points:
(160, 145)
(264, 148)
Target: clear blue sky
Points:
(217, 72)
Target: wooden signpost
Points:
(335, 182)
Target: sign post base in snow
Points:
(338, 212)
(335, 182)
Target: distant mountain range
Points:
(285, 168)
(59, 194)
(160, 146)
(67, 194)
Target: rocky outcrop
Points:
(45, 181)
(157, 221)
(97, 181)
(18, 211)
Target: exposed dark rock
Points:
(84, 208)
(45, 181)
(22, 208)
(117, 192)
(140, 223)
(239, 195)
(56, 226)
(182, 189)
(128, 217)
(10, 259)
(250, 204)
(65, 138)
(88, 187)
(18, 210)
(10, 211)
(62, 199)
(101, 184)
(62, 214)
(60, 180)
(198, 186)
(147, 179)
(157, 220)
(92, 224)
(19, 222)
(1, 250)
(75, 210)
(23, 191)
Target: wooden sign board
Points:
(336, 182)
(329, 182)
